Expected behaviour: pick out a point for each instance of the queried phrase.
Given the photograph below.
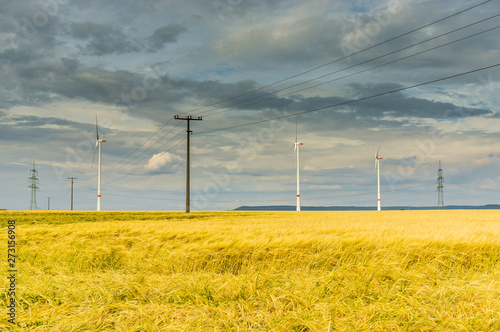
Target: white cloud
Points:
(161, 159)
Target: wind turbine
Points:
(98, 143)
(296, 152)
(377, 168)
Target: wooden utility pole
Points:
(188, 180)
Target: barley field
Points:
(255, 271)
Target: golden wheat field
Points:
(255, 271)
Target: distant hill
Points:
(364, 208)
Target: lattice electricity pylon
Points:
(440, 187)
(34, 181)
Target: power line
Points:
(350, 101)
(144, 144)
(344, 57)
(10, 187)
(451, 193)
(378, 66)
(15, 179)
(276, 200)
(472, 187)
(141, 167)
(361, 63)
(61, 190)
(144, 151)
(158, 149)
(144, 197)
(136, 158)
(323, 65)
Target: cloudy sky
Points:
(409, 76)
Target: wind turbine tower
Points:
(34, 181)
(98, 144)
(297, 153)
(377, 167)
(440, 187)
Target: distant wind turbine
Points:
(98, 143)
(297, 155)
(377, 169)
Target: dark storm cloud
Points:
(70, 64)
(23, 54)
(102, 39)
(33, 128)
(32, 14)
(27, 43)
(28, 19)
(164, 35)
(13, 134)
(241, 95)
(301, 39)
(68, 78)
(397, 104)
(105, 39)
(35, 121)
(388, 106)
(378, 26)
(30, 128)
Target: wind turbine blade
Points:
(378, 151)
(375, 167)
(95, 150)
(96, 128)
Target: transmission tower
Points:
(34, 181)
(440, 187)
